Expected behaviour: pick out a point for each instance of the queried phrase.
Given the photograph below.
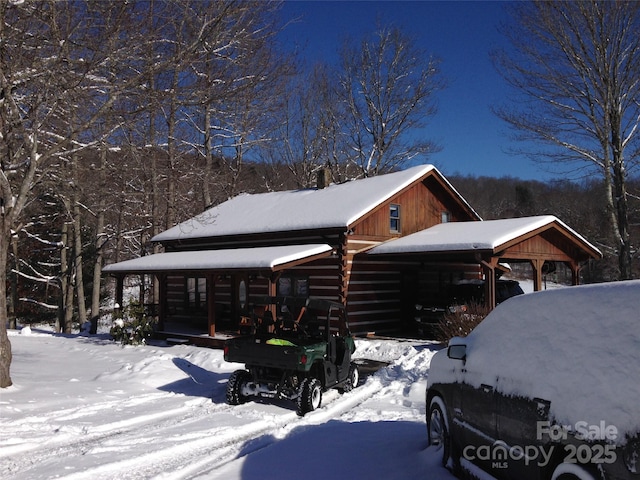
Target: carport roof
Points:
(481, 236)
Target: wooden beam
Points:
(537, 264)
(119, 292)
(575, 272)
(162, 300)
(489, 267)
(211, 303)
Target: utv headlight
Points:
(631, 456)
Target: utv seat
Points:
(266, 324)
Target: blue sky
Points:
(461, 34)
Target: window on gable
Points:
(394, 217)
(446, 217)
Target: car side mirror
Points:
(457, 352)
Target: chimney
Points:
(323, 178)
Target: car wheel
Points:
(352, 380)
(438, 429)
(309, 396)
(571, 471)
(236, 382)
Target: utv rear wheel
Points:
(237, 381)
(309, 396)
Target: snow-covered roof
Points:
(240, 258)
(335, 206)
(472, 236)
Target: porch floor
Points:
(178, 333)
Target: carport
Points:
(489, 243)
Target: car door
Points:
(477, 419)
(519, 423)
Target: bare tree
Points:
(51, 62)
(310, 132)
(240, 79)
(388, 85)
(576, 68)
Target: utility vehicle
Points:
(293, 349)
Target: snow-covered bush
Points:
(461, 321)
(131, 326)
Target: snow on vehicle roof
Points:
(464, 236)
(259, 257)
(334, 206)
(578, 347)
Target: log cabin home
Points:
(376, 245)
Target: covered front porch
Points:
(203, 296)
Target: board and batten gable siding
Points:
(421, 206)
(549, 244)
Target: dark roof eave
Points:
(250, 239)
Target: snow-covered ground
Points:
(85, 407)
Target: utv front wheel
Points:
(352, 380)
(309, 396)
(237, 381)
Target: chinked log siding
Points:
(374, 296)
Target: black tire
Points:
(352, 380)
(579, 473)
(438, 429)
(237, 380)
(309, 396)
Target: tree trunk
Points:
(621, 211)
(78, 264)
(5, 344)
(66, 283)
(13, 304)
(100, 240)
(208, 157)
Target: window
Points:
(293, 286)
(242, 294)
(196, 297)
(446, 217)
(394, 216)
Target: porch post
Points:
(537, 264)
(489, 269)
(161, 281)
(575, 273)
(211, 303)
(119, 292)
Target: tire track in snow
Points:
(213, 447)
(204, 450)
(79, 439)
(338, 405)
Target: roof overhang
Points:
(239, 259)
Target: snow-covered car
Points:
(546, 387)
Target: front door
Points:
(240, 300)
